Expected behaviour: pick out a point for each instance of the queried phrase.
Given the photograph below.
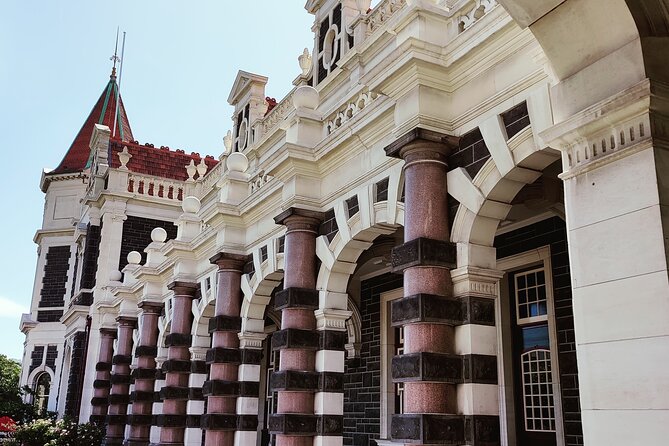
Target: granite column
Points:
(120, 382)
(101, 385)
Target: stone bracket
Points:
(424, 252)
(294, 297)
(295, 338)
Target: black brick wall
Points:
(362, 378)
(36, 357)
(137, 236)
(51, 356)
(73, 396)
(472, 153)
(553, 232)
(89, 265)
(55, 277)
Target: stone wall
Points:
(137, 236)
(54, 283)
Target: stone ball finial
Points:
(306, 96)
(191, 205)
(115, 276)
(159, 235)
(237, 162)
(134, 258)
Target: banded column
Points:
(196, 399)
(120, 382)
(297, 381)
(224, 357)
(330, 361)
(177, 366)
(251, 347)
(144, 375)
(101, 385)
(428, 312)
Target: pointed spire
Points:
(115, 57)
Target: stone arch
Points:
(485, 200)
(355, 235)
(586, 41)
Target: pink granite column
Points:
(145, 375)
(120, 382)
(224, 357)
(101, 385)
(296, 381)
(177, 365)
(428, 368)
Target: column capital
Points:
(473, 281)
(106, 331)
(297, 218)
(331, 319)
(251, 339)
(127, 321)
(151, 306)
(183, 288)
(229, 261)
(419, 144)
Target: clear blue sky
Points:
(180, 62)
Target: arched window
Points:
(42, 388)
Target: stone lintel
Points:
(225, 323)
(220, 355)
(440, 141)
(307, 214)
(424, 252)
(294, 297)
(295, 338)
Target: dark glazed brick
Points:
(137, 236)
(329, 226)
(89, 266)
(55, 277)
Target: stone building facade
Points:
(451, 231)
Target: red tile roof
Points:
(103, 113)
(162, 162)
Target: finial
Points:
(115, 57)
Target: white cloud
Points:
(9, 308)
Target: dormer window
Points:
(330, 41)
(242, 129)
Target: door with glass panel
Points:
(532, 362)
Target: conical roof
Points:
(103, 113)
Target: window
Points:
(329, 43)
(399, 387)
(242, 129)
(538, 391)
(531, 303)
(392, 343)
(42, 388)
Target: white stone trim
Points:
(329, 440)
(249, 372)
(247, 405)
(478, 399)
(329, 403)
(330, 361)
